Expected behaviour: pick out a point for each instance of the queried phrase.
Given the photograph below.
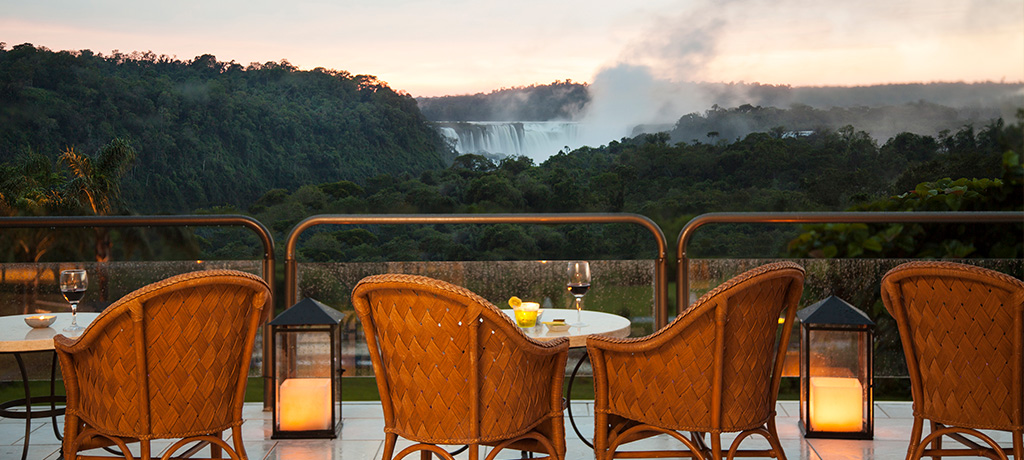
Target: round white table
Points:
(597, 323)
(17, 337)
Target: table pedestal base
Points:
(568, 399)
(28, 414)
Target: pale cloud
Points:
(808, 42)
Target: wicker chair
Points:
(961, 330)
(453, 369)
(168, 361)
(713, 369)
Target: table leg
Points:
(568, 400)
(53, 396)
(28, 404)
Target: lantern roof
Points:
(833, 310)
(308, 312)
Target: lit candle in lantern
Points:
(305, 404)
(837, 404)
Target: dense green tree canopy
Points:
(670, 183)
(209, 132)
(881, 122)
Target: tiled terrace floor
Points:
(362, 436)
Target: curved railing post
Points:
(683, 278)
(660, 270)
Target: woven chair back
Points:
(171, 359)
(961, 330)
(713, 368)
(448, 363)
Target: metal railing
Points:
(261, 231)
(682, 285)
(256, 226)
(661, 274)
(660, 269)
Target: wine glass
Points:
(73, 284)
(579, 283)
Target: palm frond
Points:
(79, 165)
(115, 158)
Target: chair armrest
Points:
(648, 342)
(65, 343)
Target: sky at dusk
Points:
(440, 47)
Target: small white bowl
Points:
(40, 321)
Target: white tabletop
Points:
(597, 322)
(18, 336)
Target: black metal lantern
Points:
(836, 376)
(305, 340)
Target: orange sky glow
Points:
(446, 47)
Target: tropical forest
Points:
(89, 134)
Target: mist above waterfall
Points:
(651, 83)
(626, 96)
(667, 72)
(628, 100)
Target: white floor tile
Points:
(362, 434)
(787, 408)
(843, 449)
(894, 410)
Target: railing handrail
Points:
(213, 220)
(660, 269)
(682, 284)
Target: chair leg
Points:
(72, 427)
(1018, 445)
(601, 437)
(215, 450)
(389, 446)
(937, 443)
(774, 440)
(236, 438)
(698, 440)
(716, 446)
(915, 437)
(425, 455)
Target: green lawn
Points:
(365, 389)
(352, 389)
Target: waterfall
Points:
(498, 139)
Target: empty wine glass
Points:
(579, 283)
(73, 284)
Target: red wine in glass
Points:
(74, 296)
(579, 284)
(578, 289)
(73, 284)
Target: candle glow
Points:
(305, 404)
(836, 404)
